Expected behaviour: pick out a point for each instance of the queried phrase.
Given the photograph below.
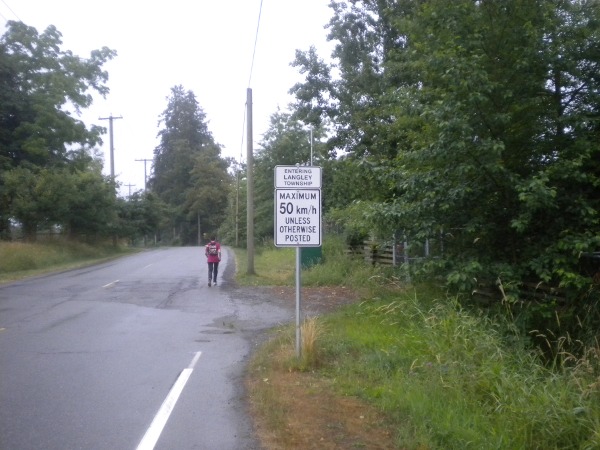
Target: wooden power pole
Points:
(145, 176)
(250, 193)
(112, 148)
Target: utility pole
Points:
(237, 204)
(145, 176)
(112, 159)
(112, 149)
(129, 186)
(250, 193)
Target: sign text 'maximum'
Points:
(297, 195)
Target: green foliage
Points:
(189, 175)
(43, 80)
(207, 197)
(141, 216)
(43, 181)
(81, 202)
(476, 121)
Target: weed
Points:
(310, 332)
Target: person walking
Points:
(213, 257)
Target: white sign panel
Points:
(297, 177)
(297, 217)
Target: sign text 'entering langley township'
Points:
(299, 177)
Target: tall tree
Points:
(507, 96)
(185, 144)
(206, 198)
(41, 88)
(40, 83)
(479, 119)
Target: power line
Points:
(10, 9)
(255, 41)
(250, 79)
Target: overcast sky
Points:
(204, 45)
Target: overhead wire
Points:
(10, 9)
(255, 41)
(250, 77)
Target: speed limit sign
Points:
(297, 217)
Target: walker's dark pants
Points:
(213, 269)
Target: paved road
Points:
(98, 358)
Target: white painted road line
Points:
(160, 420)
(112, 283)
(194, 360)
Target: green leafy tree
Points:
(355, 106)
(41, 86)
(20, 187)
(82, 203)
(505, 96)
(206, 198)
(477, 120)
(185, 146)
(141, 216)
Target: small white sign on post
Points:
(297, 217)
(297, 177)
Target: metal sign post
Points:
(298, 219)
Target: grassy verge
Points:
(20, 260)
(277, 267)
(422, 372)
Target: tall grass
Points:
(310, 331)
(446, 377)
(277, 267)
(458, 379)
(19, 259)
(272, 267)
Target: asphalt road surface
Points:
(137, 353)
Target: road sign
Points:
(297, 177)
(297, 217)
